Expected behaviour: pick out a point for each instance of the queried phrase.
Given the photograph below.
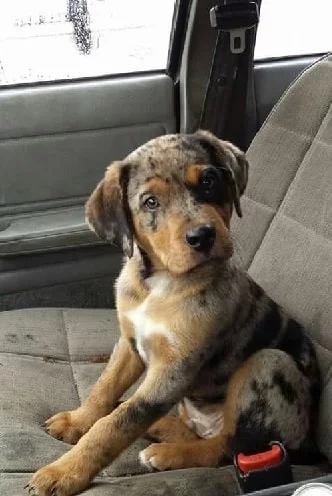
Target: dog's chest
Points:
(144, 325)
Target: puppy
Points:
(210, 340)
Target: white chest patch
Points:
(207, 421)
(144, 326)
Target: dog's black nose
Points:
(201, 238)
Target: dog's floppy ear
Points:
(107, 210)
(231, 158)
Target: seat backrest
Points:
(285, 236)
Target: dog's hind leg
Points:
(170, 430)
(268, 399)
(176, 455)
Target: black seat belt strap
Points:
(225, 102)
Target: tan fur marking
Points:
(192, 174)
(158, 186)
(220, 216)
(150, 242)
(172, 456)
(159, 346)
(232, 396)
(170, 430)
(131, 294)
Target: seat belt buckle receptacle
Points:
(263, 470)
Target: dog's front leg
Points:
(124, 368)
(163, 386)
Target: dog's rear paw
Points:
(164, 456)
(67, 426)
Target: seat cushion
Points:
(49, 359)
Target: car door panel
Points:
(67, 135)
(55, 143)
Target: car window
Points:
(294, 27)
(65, 39)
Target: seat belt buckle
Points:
(263, 470)
(236, 19)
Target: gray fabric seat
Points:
(49, 358)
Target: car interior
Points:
(58, 322)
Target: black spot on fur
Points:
(174, 178)
(152, 163)
(130, 293)
(190, 143)
(209, 148)
(202, 356)
(293, 341)
(255, 290)
(210, 398)
(298, 345)
(133, 344)
(202, 301)
(214, 360)
(153, 222)
(257, 294)
(266, 331)
(252, 433)
(286, 388)
(142, 412)
(254, 386)
(221, 378)
(252, 309)
(145, 266)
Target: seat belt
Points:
(230, 92)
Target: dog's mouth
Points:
(200, 251)
(179, 246)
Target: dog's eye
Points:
(209, 181)
(151, 203)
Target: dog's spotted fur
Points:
(242, 371)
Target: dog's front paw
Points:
(57, 480)
(162, 456)
(68, 426)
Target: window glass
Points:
(294, 27)
(61, 39)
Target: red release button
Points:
(247, 463)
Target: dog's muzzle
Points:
(201, 238)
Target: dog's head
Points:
(174, 198)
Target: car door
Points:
(82, 83)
